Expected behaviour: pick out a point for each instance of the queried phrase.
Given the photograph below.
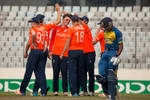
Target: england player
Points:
(28, 44)
(75, 43)
(89, 58)
(108, 64)
(47, 27)
(57, 43)
(34, 62)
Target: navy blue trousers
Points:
(76, 70)
(58, 65)
(89, 67)
(35, 63)
(36, 85)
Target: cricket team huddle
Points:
(72, 52)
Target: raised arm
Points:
(98, 31)
(96, 36)
(51, 44)
(57, 7)
(52, 40)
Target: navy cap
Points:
(34, 19)
(106, 22)
(84, 18)
(74, 18)
(40, 17)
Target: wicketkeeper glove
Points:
(115, 60)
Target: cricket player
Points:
(108, 64)
(35, 60)
(89, 57)
(47, 27)
(75, 43)
(28, 44)
(57, 43)
(99, 37)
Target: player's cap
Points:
(74, 18)
(40, 17)
(34, 19)
(105, 22)
(85, 18)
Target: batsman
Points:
(108, 64)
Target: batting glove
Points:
(115, 60)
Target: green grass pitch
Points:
(50, 96)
